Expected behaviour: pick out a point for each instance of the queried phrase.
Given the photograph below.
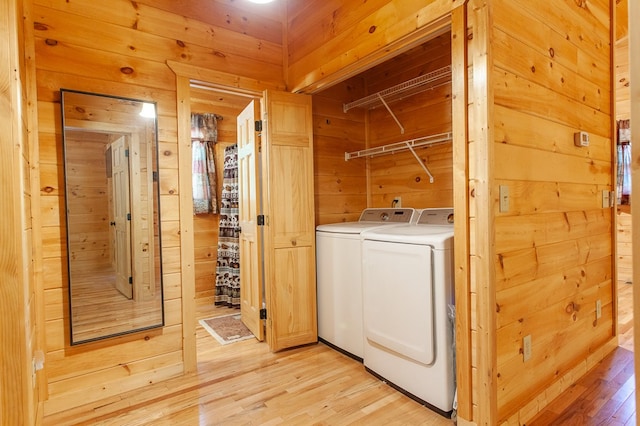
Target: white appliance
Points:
(407, 287)
(339, 277)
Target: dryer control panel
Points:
(442, 216)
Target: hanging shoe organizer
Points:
(400, 91)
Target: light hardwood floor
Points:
(245, 384)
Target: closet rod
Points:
(399, 146)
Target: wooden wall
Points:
(18, 394)
(553, 247)
(340, 186)
(121, 49)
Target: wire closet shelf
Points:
(400, 146)
(410, 87)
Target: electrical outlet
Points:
(526, 344)
(598, 309)
(397, 202)
(504, 198)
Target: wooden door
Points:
(120, 182)
(251, 294)
(289, 234)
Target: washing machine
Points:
(339, 277)
(407, 293)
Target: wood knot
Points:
(126, 70)
(180, 43)
(166, 153)
(39, 26)
(147, 338)
(418, 179)
(533, 69)
(552, 52)
(219, 54)
(372, 29)
(48, 189)
(51, 42)
(294, 243)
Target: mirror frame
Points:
(154, 222)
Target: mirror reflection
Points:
(112, 211)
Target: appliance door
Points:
(339, 289)
(398, 298)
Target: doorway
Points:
(227, 106)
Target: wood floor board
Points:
(244, 383)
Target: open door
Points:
(120, 208)
(251, 294)
(289, 233)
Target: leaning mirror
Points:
(112, 212)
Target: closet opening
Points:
(384, 138)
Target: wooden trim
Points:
(223, 80)
(15, 397)
(461, 210)
(614, 159)
(634, 69)
(430, 21)
(230, 84)
(486, 388)
(36, 215)
(187, 255)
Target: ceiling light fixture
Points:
(148, 110)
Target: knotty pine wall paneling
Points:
(340, 186)
(121, 48)
(20, 328)
(553, 247)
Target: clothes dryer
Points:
(407, 290)
(339, 277)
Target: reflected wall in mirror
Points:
(112, 211)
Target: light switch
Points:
(504, 198)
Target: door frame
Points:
(186, 75)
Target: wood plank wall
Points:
(19, 393)
(121, 49)
(340, 186)
(553, 247)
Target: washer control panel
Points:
(404, 215)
